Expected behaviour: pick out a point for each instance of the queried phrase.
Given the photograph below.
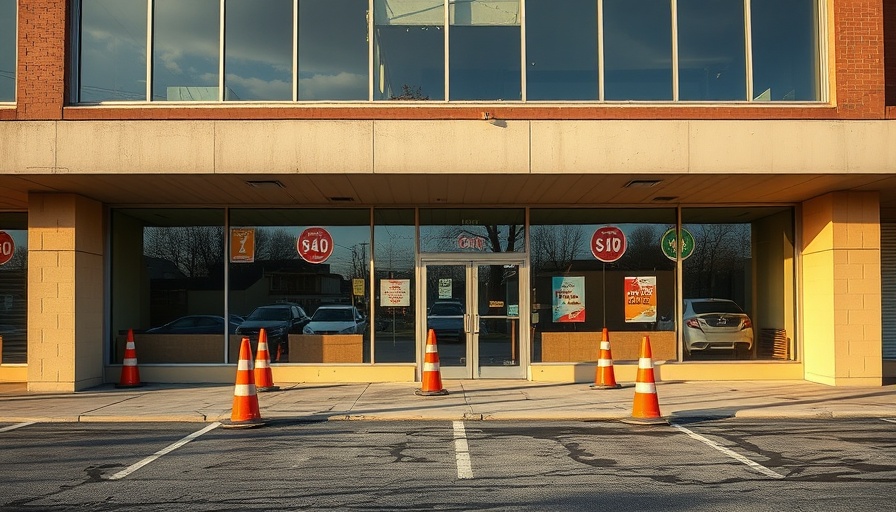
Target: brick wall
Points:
(40, 74)
(856, 47)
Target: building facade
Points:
(517, 177)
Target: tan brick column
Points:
(841, 289)
(65, 292)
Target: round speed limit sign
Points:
(608, 244)
(7, 247)
(315, 245)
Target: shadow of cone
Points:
(646, 407)
(130, 374)
(605, 377)
(264, 378)
(245, 412)
(432, 375)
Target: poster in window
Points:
(569, 299)
(242, 245)
(640, 299)
(445, 289)
(395, 292)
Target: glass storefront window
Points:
(394, 323)
(8, 20)
(323, 51)
(711, 50)
(303, 276)
(561, 50)
(13, 288)
(168, 284)
(333, 50)
(186, 45)
(113, 51)
(258, 50)
(485, 50)
(630, 290)
(480, 230)
(738, 284)
(637, 50)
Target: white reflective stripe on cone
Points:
(430, 348)
(261, 363)
(430, 367)
(605, 345)
(244, 364)
(244, 390)
(645, 362)
(603, 363)
(130, 361)
(645, 388)
(130, 345)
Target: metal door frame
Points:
(472, 262)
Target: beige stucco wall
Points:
(65, 295)
(371, 147)
(841, 289)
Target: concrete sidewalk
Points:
(467, 400)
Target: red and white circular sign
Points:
(7, 247)
(608, 244)
(315, 245)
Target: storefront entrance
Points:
(475, 309)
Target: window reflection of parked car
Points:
(716, 324)
(198, 324)
(446, 319)
(278, 321)
(336, 319)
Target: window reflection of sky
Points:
(258, 56)
(113, 50)
(7, 50)
(185, 49)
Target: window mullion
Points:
(675, 77)
(600, 50)
(221, 21)
(150, 7)
(748, 43)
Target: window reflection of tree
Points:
(194, 250)
(718, 266)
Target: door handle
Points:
(467, 323)
(475, 324)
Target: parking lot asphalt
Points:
(466, 400)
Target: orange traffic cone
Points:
(646, 408)
(264, 378)
(432, 376)
(245, 412)
(606, 377)
(130, 374)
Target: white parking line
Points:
(755, 465)
(134, 467)
(888, 420)
(18, 425)
(462, 451)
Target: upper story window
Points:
(7, 51)
(449, 50)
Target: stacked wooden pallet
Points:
(774, 344)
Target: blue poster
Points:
(569, 299)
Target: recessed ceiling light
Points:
(665, 198)
(341, 199)
(265, 184)
(642, 183)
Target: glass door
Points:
(474, 310)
